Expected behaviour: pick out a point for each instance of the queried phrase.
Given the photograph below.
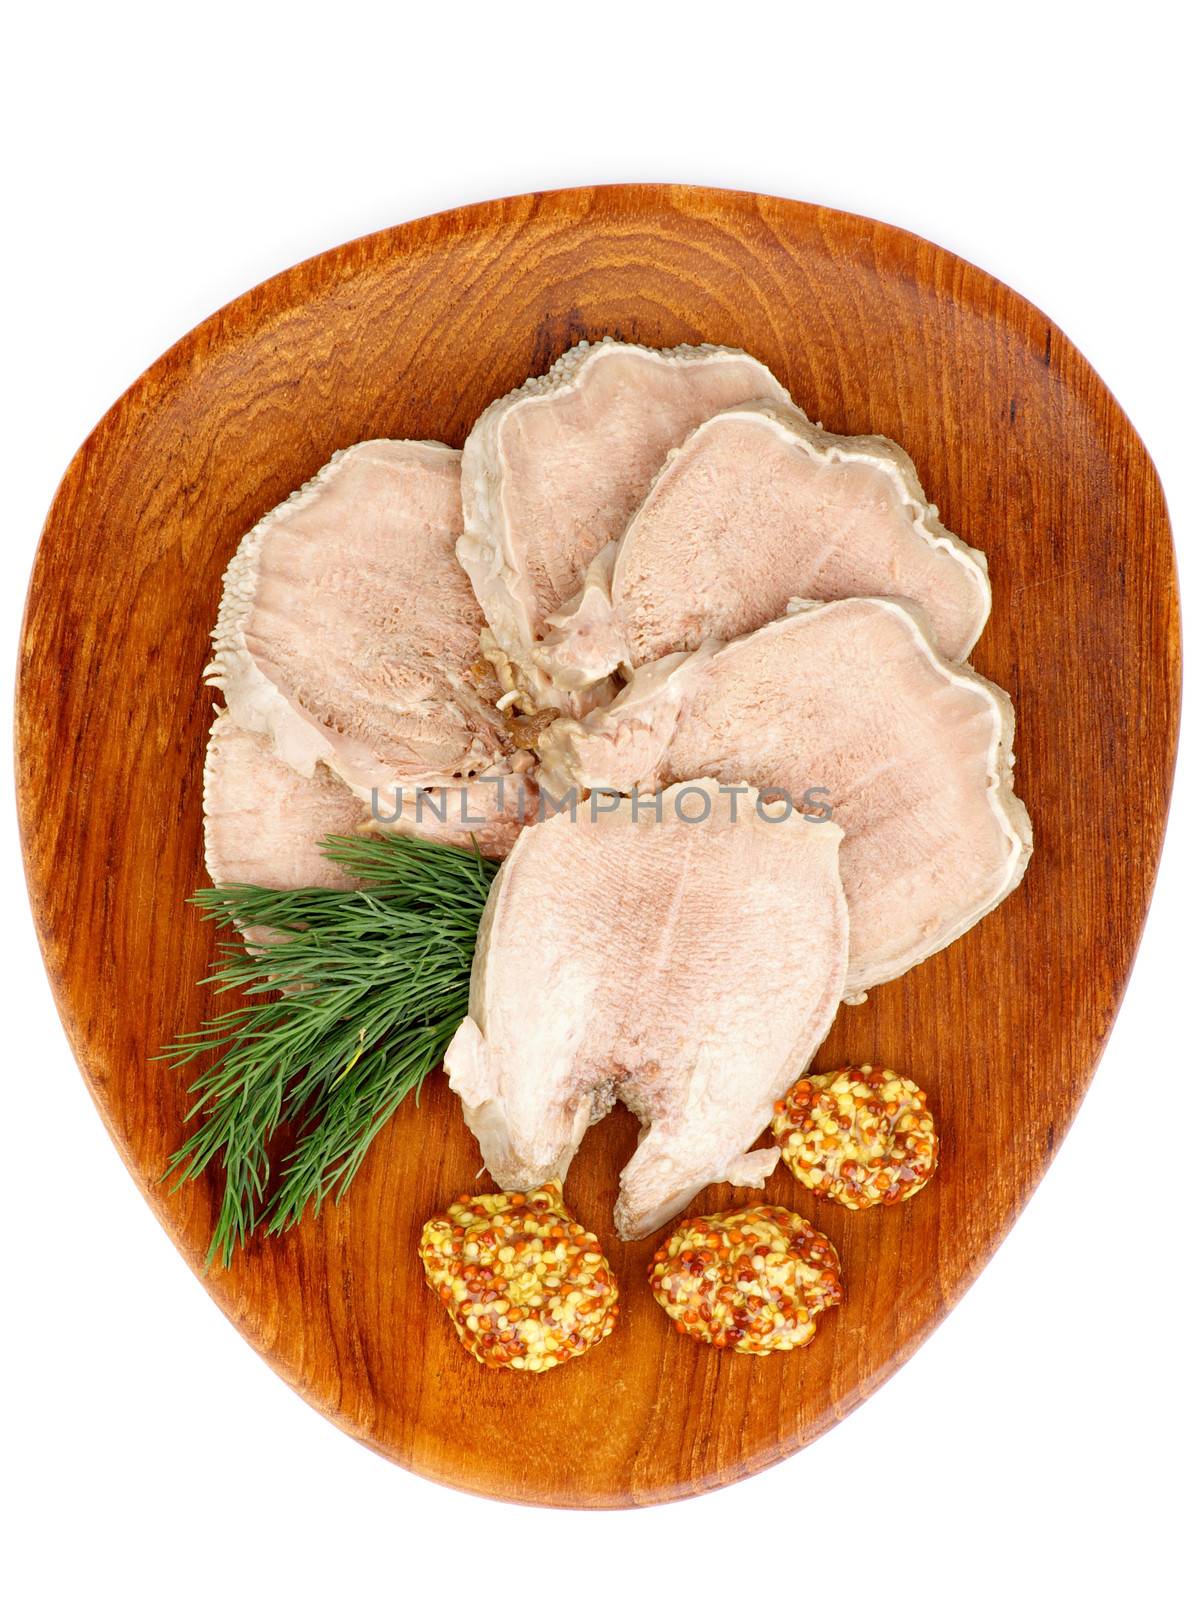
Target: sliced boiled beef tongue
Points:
(348, 637)
(553, 471)
(686, 958)
(348, 632)
(845, 705)
(263, 822)
(756, 506)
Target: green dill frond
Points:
(365, 989)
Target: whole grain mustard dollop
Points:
(525, 1284)
(862, 1136)
(753, 1281)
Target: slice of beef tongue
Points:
(552, 472)
(347, 640)
(264, 822)
(756, 506)
(348, 633)
(687, 958)
(845, 705)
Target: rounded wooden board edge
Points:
(244, 317)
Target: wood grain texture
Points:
(409, 333)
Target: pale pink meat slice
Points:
(552, 472)
(759, 505)
(845, 704)
(264, 823)
(348, 633)
(689, 968)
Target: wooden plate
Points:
(409, 333)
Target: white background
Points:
(164, 159)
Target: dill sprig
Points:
(366, 988)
